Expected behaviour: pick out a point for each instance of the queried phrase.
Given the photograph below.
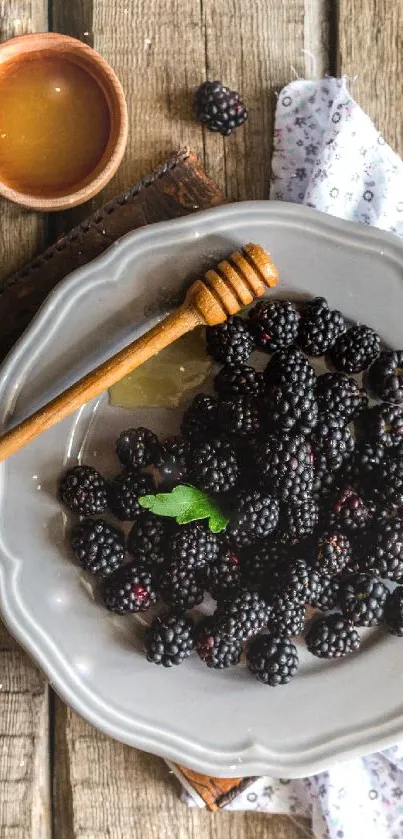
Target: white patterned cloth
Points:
(329, 155)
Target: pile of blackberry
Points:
(307, 470)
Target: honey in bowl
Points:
(54, 124)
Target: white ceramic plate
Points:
(220, 723)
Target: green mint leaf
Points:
(186, 504)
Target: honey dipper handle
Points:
(103, 377)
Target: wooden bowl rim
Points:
(56, 41)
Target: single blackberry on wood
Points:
(147, 540)
(273, 661)
(394, 611)
(332, 637)
(340, 397)
(333, 553)
(138, 447)
(199, 420)
(289, 367)
(219, 108)
(239, 416)
(319, 327)
(84, 491)
(355, 349)
(327, 597)
(290, 408)
(230, 342)
(283, 465)
(215, 649)
(125, 491)
(362, 599)
(274, 324)
(170, 639)
(383, 424)
(385, 376)
(238, 380)
(242, 615)
(193, 545)
(298, 520)
(222, 577)
(214, 466)
(98, 547)
(130, 589)
(174, 457)
(255, 516)
(384, 557)
(179, 587)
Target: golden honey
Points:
(167, 377)
(54, 125)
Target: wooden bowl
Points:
(48, 44)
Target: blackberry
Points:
(298, 520)
(129, 590)
(333, 553)
(84, 491)
(274, 324)
(332, 446)
(272, 660)
(147, 540)
(385, 556)
(328, 596)
(219, 108)
(289, 367)
(290, 408)
(230, 342)
(300, 583)
(340, 397)
(332, 637)
(198, 421)
(355, 349)
(238, 380)
(394, 611)
(179, 587)
(350, 512)
(174, 457)
(362, 599)
(390, 476)
(138, 447)
(98, 547)
(170, 639)
(239, 416)
(216, 650)
(255, 516)
(222, 577)
(125, 491)
(319, 327)
(286, 618)
(263, 566)
(242, 615)
(214, 466)
(193, 546)
(385, 376)
(283, 465)
(383, 424)
(364, 468)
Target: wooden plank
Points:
(24, 763)
(371, 54)
(118, 792)
(162, 50)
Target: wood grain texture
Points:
(18, 17)
(370, 36)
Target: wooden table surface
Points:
(59, 777)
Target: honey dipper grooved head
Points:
(234, 283)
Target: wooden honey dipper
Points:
(234, 283)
